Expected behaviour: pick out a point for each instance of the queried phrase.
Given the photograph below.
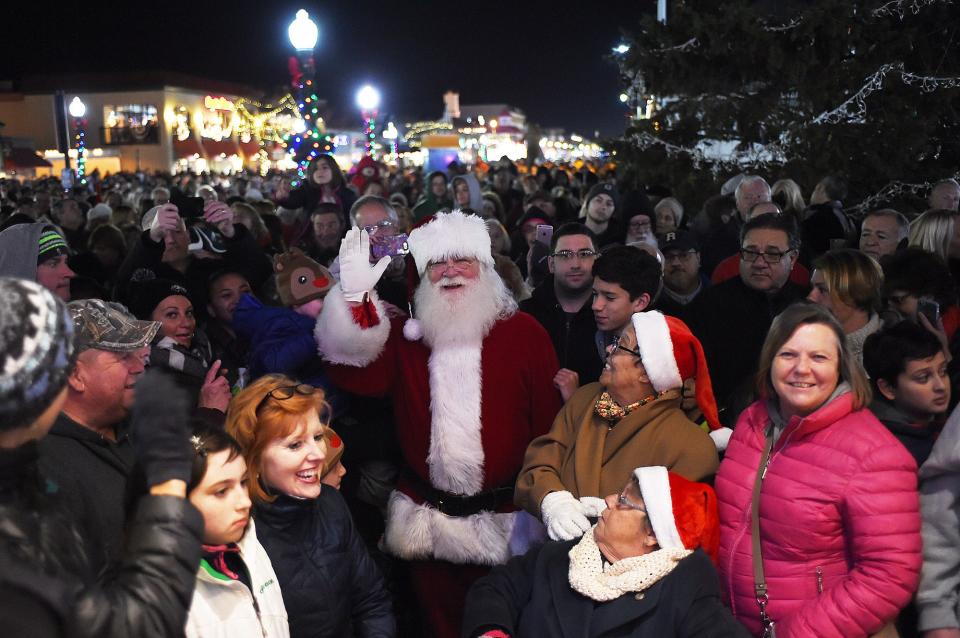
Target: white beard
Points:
(465, 314)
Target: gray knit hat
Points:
(37, 351)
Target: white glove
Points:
(592, 506)
(721, 437)
(563, 516)
(357, 276)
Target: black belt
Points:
(456, 505)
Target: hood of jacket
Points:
(19, 246)
(476, 197)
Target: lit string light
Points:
(854, 109)
(80, 124)
(899, 8)
(794, 23)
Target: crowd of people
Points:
(517, 401)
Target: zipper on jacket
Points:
(819, 579)
(256, 608)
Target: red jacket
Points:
(839, 521)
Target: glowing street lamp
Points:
(368, 99)
(303, 32)
(77, 110)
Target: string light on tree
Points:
(368, 99)
(77, 110)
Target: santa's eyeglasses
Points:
(460, 265)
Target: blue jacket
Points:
(281, 341)
(330, 585)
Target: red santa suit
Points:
(465, 414)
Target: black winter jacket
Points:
(92, 477)
(46, 586)
(731, 320)
(331, 587)
(531, 596)
(573, 338)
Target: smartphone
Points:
(187, 207)
(544, 234)
(929, 309)
(393, 245)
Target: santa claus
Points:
(471, 386)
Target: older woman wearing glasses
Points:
(643, 570)
(330, 585)
(632, 415)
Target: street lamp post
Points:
(368, 99)
(304, 34)
(77, 110)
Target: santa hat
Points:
(299, 278)
(450, 235)
(683, 514)
(670, 354)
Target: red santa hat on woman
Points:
(683, 514)
(670, 353)
(447, 235)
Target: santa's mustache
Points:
(451, 281)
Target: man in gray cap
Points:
(88, 454)
(47, 587)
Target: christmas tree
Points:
(869, 91)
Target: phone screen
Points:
(544, 234)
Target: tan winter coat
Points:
(582, 455)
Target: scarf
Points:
(217, 554)
(611, 411)
(588, 575)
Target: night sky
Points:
(545, 57)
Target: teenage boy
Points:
(908, 370)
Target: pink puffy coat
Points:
(839, 523)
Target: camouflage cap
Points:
(105, 325)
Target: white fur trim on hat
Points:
(656, 350)
(655, 490)
(450, 235)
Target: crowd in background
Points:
(815, 393)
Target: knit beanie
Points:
(334, 450)
(683, 514)
(604, 188)
(37, 351)
(299, 278)
(51, 244)
(146, 295)
(99, 211)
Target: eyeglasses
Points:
(770, 256)
(460, 265)
(623, 501)
(385, 224)
(635, 226)
(567, 255)
(615, 345)
(284, 392)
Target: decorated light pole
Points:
(77, 110)
(307, 140)
(368, 99)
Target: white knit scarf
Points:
(589, 577)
